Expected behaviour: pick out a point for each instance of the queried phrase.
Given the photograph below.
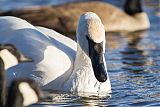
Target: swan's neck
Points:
(82, 79)
(82, 60)
(132, 7)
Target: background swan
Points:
(58, 60)
(133, 18)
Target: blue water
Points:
(133, 62)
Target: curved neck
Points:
(2, 84)
(82, 59)
(133, 7)
(84, 78)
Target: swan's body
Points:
(59, 62)
(37, 45)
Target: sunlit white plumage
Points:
(59, 62)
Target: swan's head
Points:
(11, 56)
(23, 92)
(91, 38)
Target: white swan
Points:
(59, 62)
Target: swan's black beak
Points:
(97, 59)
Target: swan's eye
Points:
(87, 37)
(98, 47)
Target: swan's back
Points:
(47, 52)
(23, 35)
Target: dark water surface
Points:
(133, 62)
